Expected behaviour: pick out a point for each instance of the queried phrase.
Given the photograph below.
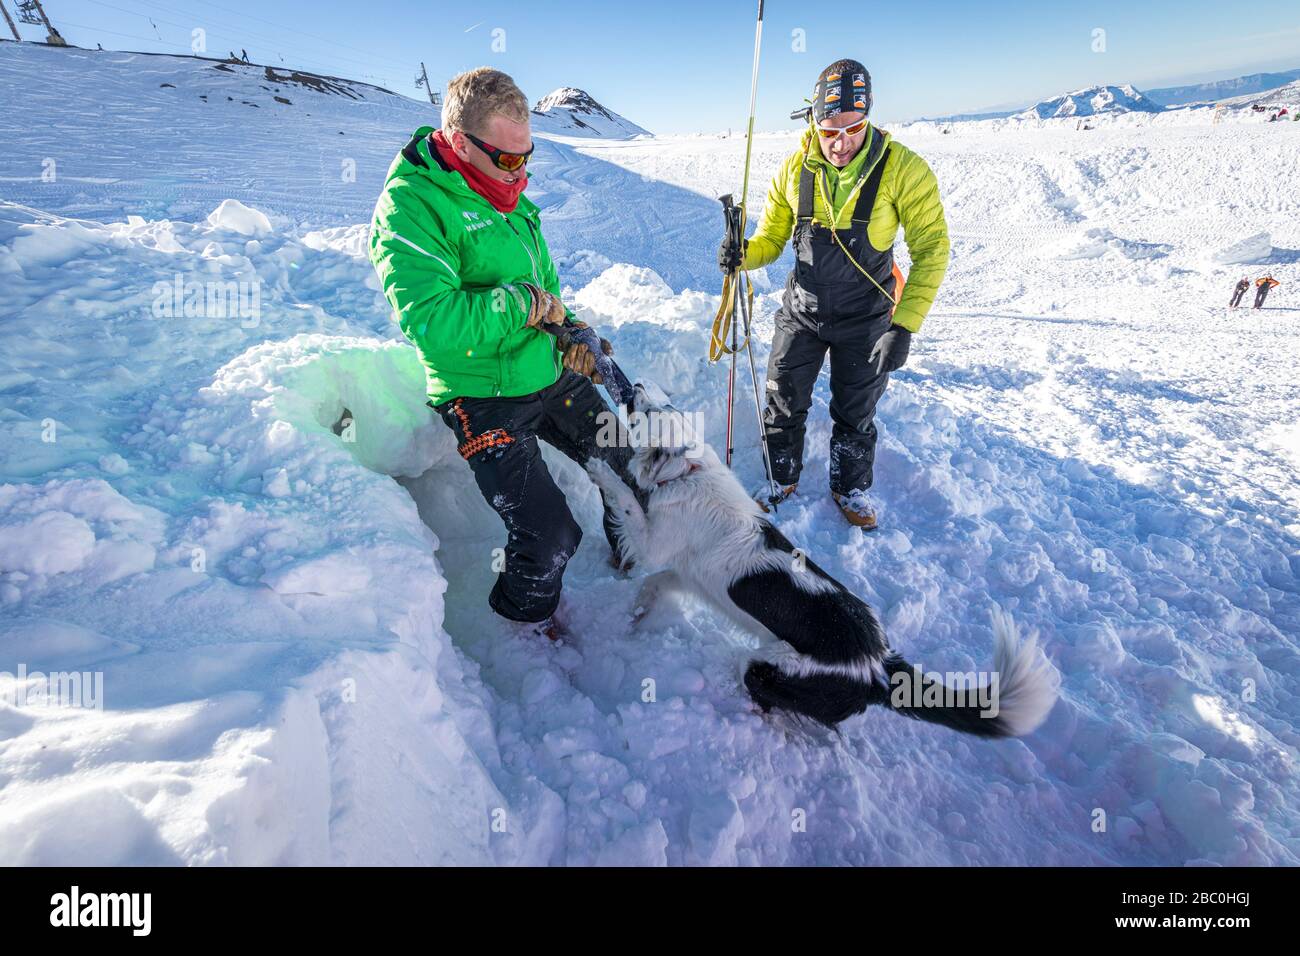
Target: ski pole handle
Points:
(615, 382)
(733, 215)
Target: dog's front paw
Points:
(604, 476)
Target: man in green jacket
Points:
(462, 261)
(843, 195)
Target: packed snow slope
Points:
(288, 610)
(314, 148)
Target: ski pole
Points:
(731, 387)
(743, 300)
(749, 137)
(772, 489)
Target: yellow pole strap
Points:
(732, 285)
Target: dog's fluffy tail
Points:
(1026, 689)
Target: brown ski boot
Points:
(856, 509)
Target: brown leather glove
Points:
(579, 358)
(546, 309)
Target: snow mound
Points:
(233, 216)
(328, 588)
(77, 533)
(228, 550)
(1248, 251)
(1096, 242)
(624, 289)
(583, 263)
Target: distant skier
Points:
(843, 194)
(1239, 291)
(462, 261)
(1261, 289)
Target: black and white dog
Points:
(832, 659)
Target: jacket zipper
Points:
(531, 257)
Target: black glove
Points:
(890, 353)
(731, 254)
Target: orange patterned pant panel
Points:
(473, 444)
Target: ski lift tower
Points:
(31, 11)
(9, 20)
(423, 81)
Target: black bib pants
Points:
(829, 306)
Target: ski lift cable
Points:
(115, 33)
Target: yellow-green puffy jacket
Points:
(908, 197)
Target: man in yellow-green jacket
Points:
(842, 196)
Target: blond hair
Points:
(477, 95)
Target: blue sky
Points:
(676, 66)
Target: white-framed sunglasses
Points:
(830, 132)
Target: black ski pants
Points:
(499, 438)
(799, 348)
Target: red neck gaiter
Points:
(503, 196)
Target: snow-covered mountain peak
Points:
(1093, 100)
(575, 112)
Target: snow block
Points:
(1250, 250)
(234, 216)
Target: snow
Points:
(288, 611)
